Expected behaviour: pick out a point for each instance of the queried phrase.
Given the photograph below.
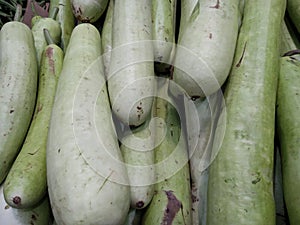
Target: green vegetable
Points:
(163, 22)
(201, 119)
(38, 215)
(26, 183)
(88, 10)
(18, 89)
(38, 27)
(288, 127)
(138, 151)
(240, 187)
(86, 175)
(65, 18)
(131, 83)
(171, 203)
(206, 46)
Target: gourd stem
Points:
(48, 37)
(53, 13)
(18, 13)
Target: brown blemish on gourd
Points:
(49, 55)
(217, 6)
(17, 200)
(140, 204)
(39, 108)
(140, 110)
(78, 14)
(173, 207)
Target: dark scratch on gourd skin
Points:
(241, 59)
(33, 153)
(104, 182)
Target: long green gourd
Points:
(18, 90)
(172, 200)
(86, 175)
(205, 50)
(163, 33)
(240, 187)
(131, 81)
(288, 127)
(26, 182)
(137, 148)
(201, 119)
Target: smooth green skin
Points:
(131, 85)
(38, 215)
(163, 32)
(288, 127)
(179, 181)
(293, 9)
(207, 41)
(88, 10)
(86, 186)
(27, 177)
(240, 188)
(65, 18)
(137, 148)
(18, 89)
(106, 35)
(38, 34)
